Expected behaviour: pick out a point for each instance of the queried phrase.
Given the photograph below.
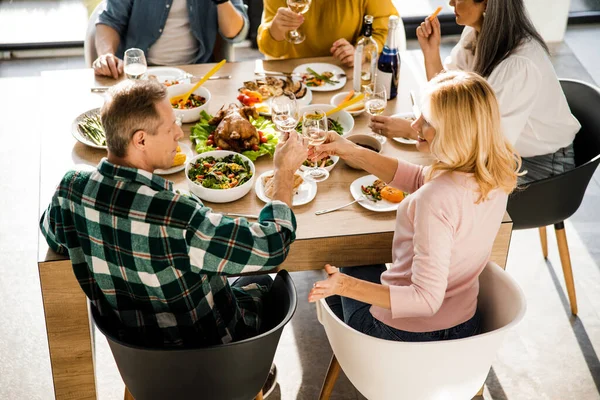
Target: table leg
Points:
(68, 329)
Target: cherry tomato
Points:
(211, 137)
(255, 147)
(210, 142)
(219, 148)
(263, 139)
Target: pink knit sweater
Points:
(442, 242)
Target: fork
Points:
(321, 212)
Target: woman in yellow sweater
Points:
(332, 27)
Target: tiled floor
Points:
(550, 355)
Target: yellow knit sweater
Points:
(325, 22)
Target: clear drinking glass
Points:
(135, 63)
(299, 7)
(284, 113)
(375, 103)
(314, 129)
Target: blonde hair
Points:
(465, 113)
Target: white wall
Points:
(549, 17)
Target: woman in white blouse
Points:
(500, 43)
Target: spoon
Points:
(184, 97)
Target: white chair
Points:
(223, 49)
(452, 369)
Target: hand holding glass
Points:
(135, 63)
(314, 129)
(299, 7)
(376, 101)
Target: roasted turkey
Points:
(234, 131)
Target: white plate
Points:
(335, 161)
(379, 206)
(185, 149)
(342, 117)
(304, 194)
(164, 74)
(78, 133)
(401, 139)
(306, 100)
(320, 68)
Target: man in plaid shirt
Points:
(155, 262)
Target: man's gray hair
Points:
(130, 107)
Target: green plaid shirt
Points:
(156, 262)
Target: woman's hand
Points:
(429, 36)
(329, 287)
(334, 145)
(284, 21)
(344, 51)
(392, 127)
(290, 154)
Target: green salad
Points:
(267, 129)
(332, 125)
(225, 173)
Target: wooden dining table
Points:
(348, 237)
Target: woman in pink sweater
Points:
(446, 227)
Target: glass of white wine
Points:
(135, 63)
(375, 103)
(314, 129)
(284, 113)
(299, 7)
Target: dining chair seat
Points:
(450, 369)
(551, 201)
(233, 371)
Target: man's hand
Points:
(284, 21)
(108, 65)
(290, 154)
(343, 51)
(429, 35)
(392, 127)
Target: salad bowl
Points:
(189, 114)
(220, 195)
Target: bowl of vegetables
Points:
(355, 109)
(220, 176)
(340, 122)
(198, 101)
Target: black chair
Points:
(234, 371)
(553, 200)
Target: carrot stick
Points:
(435, 13)
(348, 97)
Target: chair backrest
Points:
(89, 44)
(552, 200)
(234, 371)
(452, 369)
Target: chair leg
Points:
(565, 260)
(480, 393)
(128, 395)
(259, 396)
(544, 240)
(332, 374)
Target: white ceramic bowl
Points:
(192, 114)
(335, 160)
(363, 139)
(338, 98)
(343, 117)
(219, 195)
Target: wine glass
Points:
(135, 63)
(284, 113)
(299, 7)
(314, 128)
(376, 101)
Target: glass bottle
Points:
(388, 65)
(365, 57)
